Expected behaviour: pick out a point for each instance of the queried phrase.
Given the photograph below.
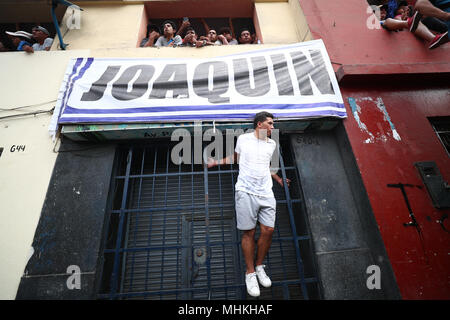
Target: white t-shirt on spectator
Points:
(47, 43)
(254, 164)
(163, 42)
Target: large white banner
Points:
(292, 82)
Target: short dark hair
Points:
(152, 27)
(224, 30)
(174, 26)
(244, 29)
(189, 29)
(261, 117)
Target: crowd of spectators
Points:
(187, 36)
(38, 40)
(426, 19)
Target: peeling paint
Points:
(382, 108)
(356, 110)
(378, 136)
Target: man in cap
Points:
(42, 37)
(169, 39)
(22, 40)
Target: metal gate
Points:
(171, 232)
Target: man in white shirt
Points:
(170, 38)
(254, 197)
(43, 40)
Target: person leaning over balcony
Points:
(152, 35)
(439, 9)
(42, 37)
(190, 40)
(402, 12)
(245, 36)
(226, 33)
(211, 38)
(414, 25)
(169, 39)
(21, 40)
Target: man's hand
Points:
(280, 180)
(222, 38)
(154, 35)
(151, 38)
(28, 49)
(211, 163)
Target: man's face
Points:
(38, 34)
(246, 37)
(405, 11)
(266, 126)
(168, 29)
(227, 36)
(15, 40)
(383, 14)
(191, 34)
(212, 35)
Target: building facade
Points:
(101, 212)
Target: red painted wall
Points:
(342, 24)
(421, 266)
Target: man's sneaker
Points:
(440, 39)
(262, 276)
(252, 284)
(413, 22)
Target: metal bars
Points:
(176, 236)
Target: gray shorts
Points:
(251, 208)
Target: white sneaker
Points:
(252, 284)
(262, 276)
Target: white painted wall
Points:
(24, 175)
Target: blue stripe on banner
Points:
(175, 118)
(69, 79)
(72, 110)
(82, 71)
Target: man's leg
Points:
(264, 242)
(248, 249)
(423, 32)
(426, 8)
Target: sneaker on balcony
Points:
(440, 39)
(413, 22)
(262, 276)
(252, 284)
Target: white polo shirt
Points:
(254, 164)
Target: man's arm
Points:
(277, 178)
(183, 26)
(222, 38)
(227, 160)
(151, 39)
